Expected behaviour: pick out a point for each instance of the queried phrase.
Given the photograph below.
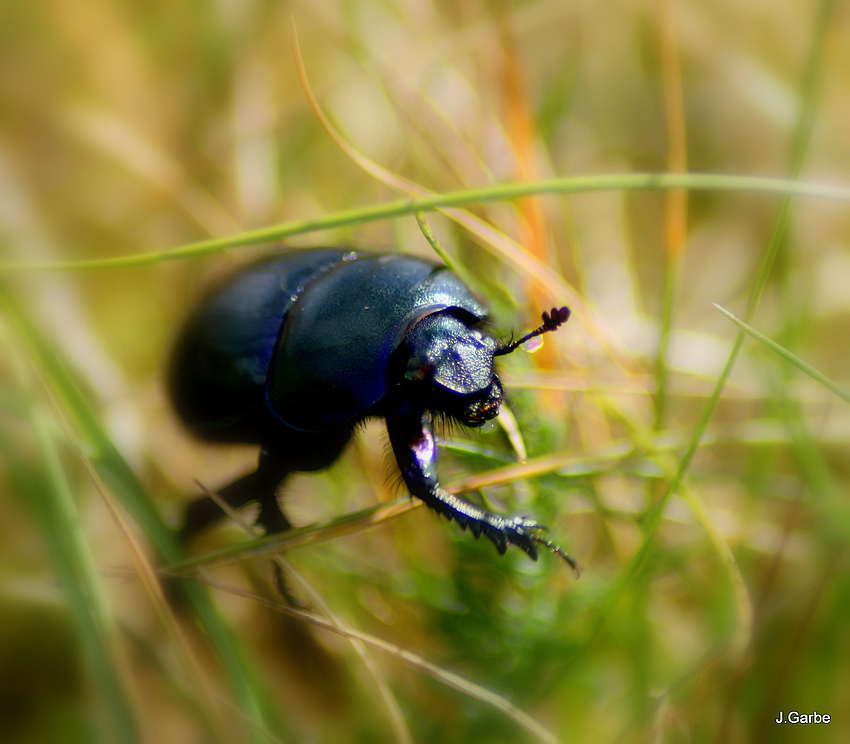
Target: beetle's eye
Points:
(418, 371)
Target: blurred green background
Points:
(715, 589)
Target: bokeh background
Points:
(704, 608)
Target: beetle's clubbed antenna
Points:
(551, 322)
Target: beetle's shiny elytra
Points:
(292, 351)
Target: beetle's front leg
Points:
(416, 452)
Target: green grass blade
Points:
(297, 537)
(49, 494)
(656, 512)
(787, 355)
(122, 481)
(501, 192)
(95, 638)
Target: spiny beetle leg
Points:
(416, 453)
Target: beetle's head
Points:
(449, 365)
(449, 369)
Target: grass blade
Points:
(787, 355)
(49, 493)
(501, 192)
(122, 481)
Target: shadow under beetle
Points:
(294, 350)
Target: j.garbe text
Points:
(795, 717)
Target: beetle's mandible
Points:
(294, 350)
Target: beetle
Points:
(294, 350)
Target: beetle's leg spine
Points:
(415, 451)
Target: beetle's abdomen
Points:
(220, 365)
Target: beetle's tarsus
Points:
(556, 549)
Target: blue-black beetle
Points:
(294, 350)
